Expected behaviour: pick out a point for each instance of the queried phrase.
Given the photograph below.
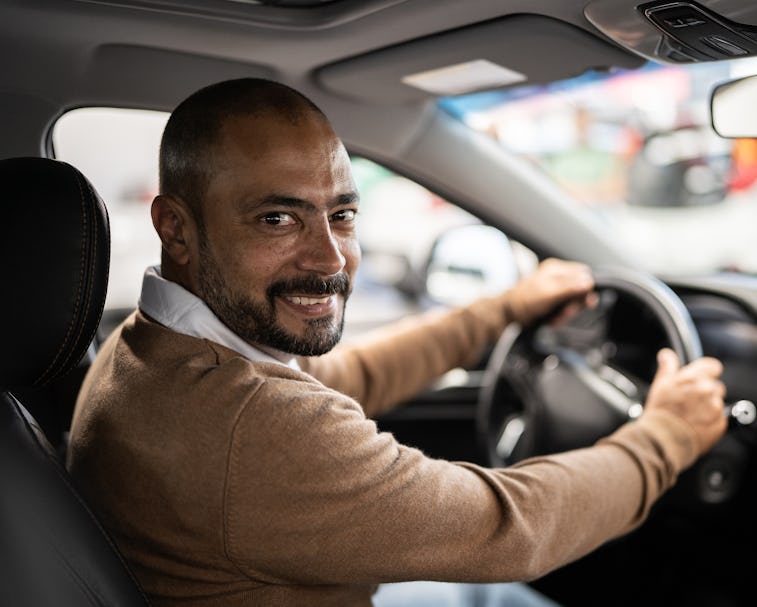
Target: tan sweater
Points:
(231, 482)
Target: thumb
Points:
(667, 362)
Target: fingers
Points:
(568, 278)
(555, 282)
(566, 312)
(699, 379)
(694, 393)
(667, 363)
(706, 365)
(592, 299)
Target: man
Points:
(223, 438)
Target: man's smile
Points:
(308, 301)
(311, 296)
(312, 306)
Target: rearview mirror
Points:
(733, 107)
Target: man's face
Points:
(278, 251)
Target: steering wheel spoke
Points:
(509, 436)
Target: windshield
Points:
(637, 149)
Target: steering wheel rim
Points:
(508, 431)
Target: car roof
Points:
(343, 53)
(349, 56)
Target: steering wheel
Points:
(553, 388)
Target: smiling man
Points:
(224, 438)
(273, 251)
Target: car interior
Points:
(449, 112)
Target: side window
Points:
(419, 250)
(117, 150)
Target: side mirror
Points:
(733, 108)
(468, 262)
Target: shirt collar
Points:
(173, 306)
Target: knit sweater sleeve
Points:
(333, 501)
(398, 361)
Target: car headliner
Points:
(347, 55)
(148, 54)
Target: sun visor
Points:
(513, 50)
(679, 32)
(120, 72)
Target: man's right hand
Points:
(693, 392)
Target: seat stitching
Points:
(63, 344)
(95, 198)
(92, 229)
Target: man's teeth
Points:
(308, 301)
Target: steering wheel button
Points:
(715, 479)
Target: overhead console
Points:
(679, 32)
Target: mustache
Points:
(338, 284)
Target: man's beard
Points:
(255, 321)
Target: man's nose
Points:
(321, 252)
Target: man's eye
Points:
(345, 215)
(277, 219)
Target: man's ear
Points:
(176, 227)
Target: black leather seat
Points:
(55, 248)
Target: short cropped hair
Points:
(185, 160)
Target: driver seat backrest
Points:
(55, 247)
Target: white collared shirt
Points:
(174, 307)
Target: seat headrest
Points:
(55, 251)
